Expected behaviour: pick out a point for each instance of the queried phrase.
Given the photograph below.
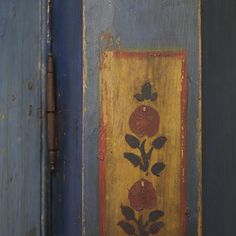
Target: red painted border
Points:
(130, 54)
(102, 179)
(102, 138)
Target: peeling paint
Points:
(3, 23)
(30, 85)
(106, 41)
(171, 3)
(13, 10)
(30, 111)
(2, 116)
(13, 98)
(32, 232)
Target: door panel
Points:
(67, 179)
(135, 26)
(22, 125)
(219, 143)
(138, 27)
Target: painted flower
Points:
(144, 121)
(142, 195)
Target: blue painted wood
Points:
(67, 182)
(139, 25)
(22, 73)
(131, 25)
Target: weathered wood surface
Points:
(139, 25)
(143, 142)
(22, 25)
(67, 182)
(132, 25)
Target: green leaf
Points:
(155, 215)
(134, 159)
(139, 97)
(132, 141)
(156, 227)
(146, 90)
(128, 213)
(158, 168)
(127, 227)
(159, 142)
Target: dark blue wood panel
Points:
(67, 49)
(22, 77)
(219, 115)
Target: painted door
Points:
(128, 79)
(128, 82)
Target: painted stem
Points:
(141, 227)
(145, 156)
(145, 165)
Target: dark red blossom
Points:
(142, 195)
(144, 121)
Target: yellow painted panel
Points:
(131, 113)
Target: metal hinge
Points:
(51, 115)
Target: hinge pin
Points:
(51, 115)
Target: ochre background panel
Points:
(122, 75)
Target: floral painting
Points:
(142, 144)
(144, 124)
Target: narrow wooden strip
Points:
(184, 97)
(102, 180)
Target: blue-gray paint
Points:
(22, 27)
(140, 25)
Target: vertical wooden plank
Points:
(219, 114)
(137, 25)
(67, 181)
(22, 37)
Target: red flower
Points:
(144, 121)
(142, 195)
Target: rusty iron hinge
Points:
(51, 115)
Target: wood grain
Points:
(139, 25)
(122, 75)
(22, 64)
